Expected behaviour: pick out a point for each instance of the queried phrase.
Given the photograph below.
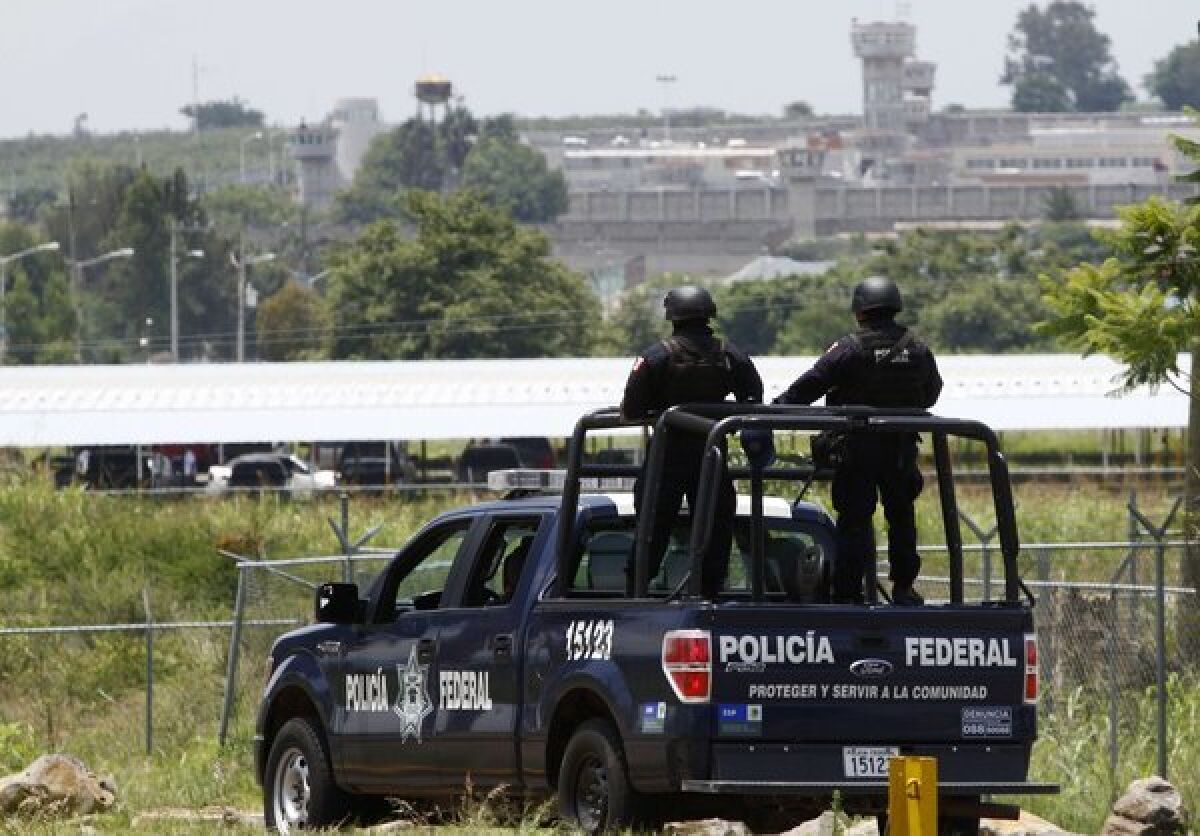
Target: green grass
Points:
(73, 557)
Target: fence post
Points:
(149, 671)
(1046, 603)
(235, 637)
(1135, 599)
(1114, 691)
(344, 501)
(342, 532)
(985, 541)
(1159, 534)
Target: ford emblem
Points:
(871, 668)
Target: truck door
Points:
(477, 682)
(385, 697)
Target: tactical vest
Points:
(697, 374)
(897, 383)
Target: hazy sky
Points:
(128, 63)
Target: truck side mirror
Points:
(338, 603)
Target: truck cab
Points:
(525, 643)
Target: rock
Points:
(1027, 825)
(706, 827)
(1149, 806)
(56, 784)
(826, 825)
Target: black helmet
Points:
(874, 293)
(689, 302)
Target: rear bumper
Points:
(769, 768)
(848, 787)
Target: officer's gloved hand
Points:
(759, 445)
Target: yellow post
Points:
(912, 796)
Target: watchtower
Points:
(315, 151)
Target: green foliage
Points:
(515, 178)
(1061, 42)
(1176, 78)
(292, 324)
(1040, 93)
(456, 152)
(235, 207)
(222, 114)
(797, 110)
(1059, 205)
(1140, 305)
(406, 157)
(470, 284)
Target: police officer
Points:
(690, 366)
(882, 364)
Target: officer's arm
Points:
(748, 385)
(640, 389)
(933, 382)
(827, 371)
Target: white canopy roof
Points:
(156, 404)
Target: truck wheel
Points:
(298, 788)
(593, 785)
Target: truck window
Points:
(500, 561)
(793, 561)
(418, 575)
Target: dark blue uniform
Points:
(692, 366)
(884, 463)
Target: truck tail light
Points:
(1031, 669)
(687, 663)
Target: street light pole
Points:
(77, 268)
(241, 263)
(175, 289)
(245, 139)
(49, 246)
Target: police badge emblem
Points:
(413, 704)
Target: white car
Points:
(256, 472)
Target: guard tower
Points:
(357, 122)
(883, 48)
(315, 151)
(896, 86)
(799, 166)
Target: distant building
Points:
(315, 151)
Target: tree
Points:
(403, 158)
(1176, 78)
(234, 207)
(515, 178)
(797, 110)
(1058, 204)
(470, 283)
(1040, 93)
(292, 324)
(1142, 307)
(223, 114)
(1062, 41)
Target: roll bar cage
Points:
(716, 422)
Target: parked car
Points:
(533, 451)
(257, 472)
(478, 460)
(375, 463)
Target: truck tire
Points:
(298, 788)
(593, 783)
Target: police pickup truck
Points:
(521, 643)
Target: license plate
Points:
(867, 761)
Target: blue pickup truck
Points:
(521, 643)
